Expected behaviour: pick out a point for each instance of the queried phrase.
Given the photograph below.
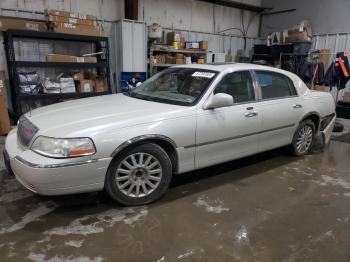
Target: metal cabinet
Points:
(131, 48)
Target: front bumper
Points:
(47, 176)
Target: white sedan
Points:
(184, 118)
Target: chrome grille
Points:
(25, 131)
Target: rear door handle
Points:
(250, 114)
(297, 106)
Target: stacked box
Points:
(70, 59)
(4, 116)
(85, 86)
(22, 24)
(73, 23)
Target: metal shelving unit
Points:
(57, 64)
(182, 51)
(170, 50)
(102, 65)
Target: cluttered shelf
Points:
(49, 67)
(59, 64)
(163, 56)
(162, 65)
(172, 50)
(60, 95)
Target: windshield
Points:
(182, 86)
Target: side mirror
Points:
(218, 100)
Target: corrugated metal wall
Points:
(336, 42)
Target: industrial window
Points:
(239, 85)
(275, 85)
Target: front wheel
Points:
(139, 176)
(303, 138)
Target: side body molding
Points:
(142, 138)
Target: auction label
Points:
(203, 74)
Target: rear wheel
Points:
(139, 176)
(303, 138)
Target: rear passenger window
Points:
(275, 85)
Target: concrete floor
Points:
(269, 207)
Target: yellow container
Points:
(176, 45)
(201, 60)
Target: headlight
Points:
(63, 147)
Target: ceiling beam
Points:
(237, 5)
(280, 12)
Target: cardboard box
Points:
(179, 61)
(159, 59)
(346, 97)
(298, 37)
(70, 59)
(203, 45)
(64, 19)
(54, 12)
(78, 76)
(325, 57)
(5, 125)
(170, 59)
(321, 88)
(85, 86)
(54, 25)
(192, 45)
(173, 37)
(303, 26)
(100, 85)
(22, 24)
(67, 28)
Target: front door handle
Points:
(250, 114)
(297, 106)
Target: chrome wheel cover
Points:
(304, 140)
(138, 175)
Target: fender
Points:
(313, 113)
(142, 138)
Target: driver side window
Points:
(239, 85)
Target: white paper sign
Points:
(80, 59)
(87, 87)
(203, 74)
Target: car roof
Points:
(225, 67)
(220, 67)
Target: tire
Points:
(338, 127)
(303, 139)
(146, 169)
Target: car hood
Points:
(85, 116)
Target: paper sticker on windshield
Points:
(203, 74)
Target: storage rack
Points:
(169, 50)
(101, 44)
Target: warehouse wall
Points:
(103, 9)
(196, 15)
(325, 16)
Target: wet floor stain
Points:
(240, 211)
